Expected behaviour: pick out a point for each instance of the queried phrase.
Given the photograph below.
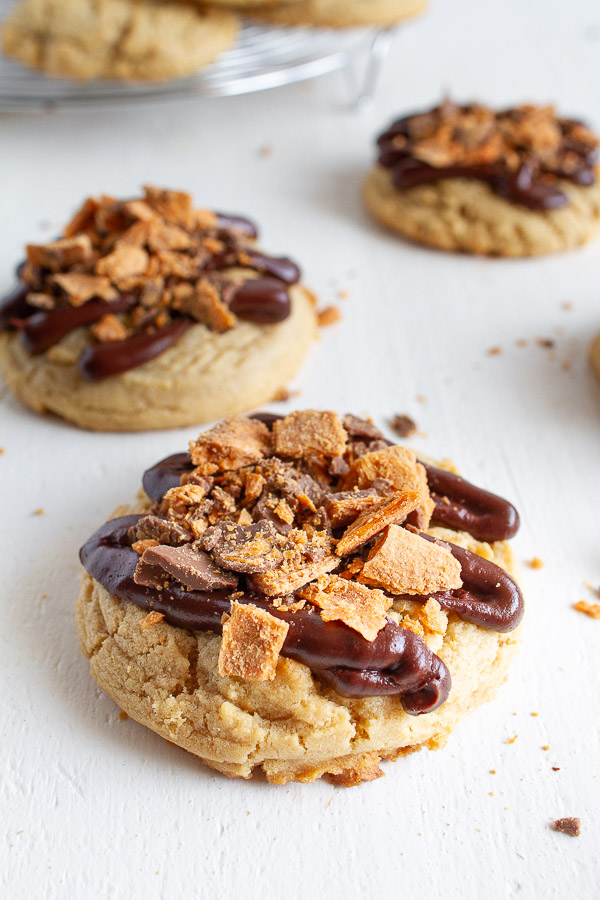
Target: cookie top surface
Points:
(311, 526)
(137, 273)
(117, 39)
(522, 153)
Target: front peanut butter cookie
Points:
(521, 182)
(300, 596)
(150, 314)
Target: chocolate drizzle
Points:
(114, 357)
(396, 662)
(529, 179)
(41, 330)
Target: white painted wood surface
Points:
(97, 807)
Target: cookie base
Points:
(465, 215)
(292, 728)
(203, 377)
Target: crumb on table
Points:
(535, 563)
(403, 425)
(590, 609)
(569, 825)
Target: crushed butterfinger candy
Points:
(251, 643)
(405, 563)
(359, 607)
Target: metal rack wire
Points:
(264, 57)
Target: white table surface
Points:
(98, 807)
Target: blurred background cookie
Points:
(151, 314)
(521, 182)
(340, 13)
(139, 40)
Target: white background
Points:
(97, 807)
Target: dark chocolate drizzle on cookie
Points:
(531, 184)
(396, 662)
(264, 300)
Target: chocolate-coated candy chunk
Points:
(192, 568)
(243, 548)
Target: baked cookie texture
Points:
(595, 354)
(519, 182)
(340, 13)
(242, 708)
(203, 376)
(132, 40)
(292, 728)
(150, 314)
(463, 215)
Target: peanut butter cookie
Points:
(298, 595)
(595, 354)
(521, 182)
(132, 40)
(151, 314)
(340, 13)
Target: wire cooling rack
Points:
(264, 57)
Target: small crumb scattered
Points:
(522, 342)
(536, 563)
(22, 831)
(284, 394)
(249, 812)
(39, 512)
(152, 619)
(421, 398)
(492, 771)
(494, 351)
(567, 305)
(534, 714)
(265, 151)
(545, 747)
(403, 425)
(343, 295)
(590, 609)
(123, 715)
(566, 365)
(556, 768)
(595, 590)
(512, 739)
(2, 450)
(329, 316)
(490, 793)
(547, 343)
(569, 825)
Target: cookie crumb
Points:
(494, 351)
(403, 425)
(590, 609)
(421, 398)
(522, 342)
(546, 343)
(343, 295)
(153, 618)
(545, 747)
(492, 771)
(284, 394)
(535, 563)
(123, 715)
(512, 739)
(534, 714)
(39, 512)
(567, 305)
(556, 768)
(2, 450)
(328, 316)
(569, 825)
(265, 151)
